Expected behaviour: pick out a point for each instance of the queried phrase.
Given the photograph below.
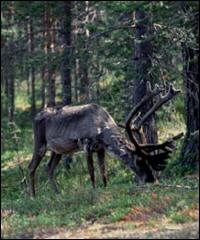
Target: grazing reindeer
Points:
(91, 128)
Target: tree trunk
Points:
(27, 70)
(66, 44)
(84, 78)
(76, 53)
(191, 88)
(142, 65)
(10, 83)
(76, 78)
(5, 63)
(11, 87)
(44, 67)
(190, 148)
(33, 107)
(50, 63)
(43, 87)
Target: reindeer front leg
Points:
(55, 158)
(101, 161)
(90, 164)
(86, 145)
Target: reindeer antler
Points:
(150, 94)
(161, 100)
(156, 154)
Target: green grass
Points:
(179, 218)
(78, 202)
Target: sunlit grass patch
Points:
(180, 218)
(187, 214)
(12, 161)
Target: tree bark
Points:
(190, 148)
(10, 75)
(11, 85)
(191, 82)
(142, 65)
(44, 67)
(50, 62)
(76, 53)
(66, 45)
(84, 78)
(27, 70)
(43, 87)
(32, 47)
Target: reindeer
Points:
(91, 128)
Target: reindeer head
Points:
(150, 157)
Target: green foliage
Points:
(112, 98)
(178, 218)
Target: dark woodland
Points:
(102, 99)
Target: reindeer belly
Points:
(60, 145)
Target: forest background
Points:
(77, 52)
